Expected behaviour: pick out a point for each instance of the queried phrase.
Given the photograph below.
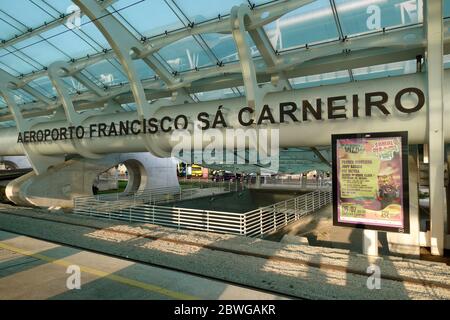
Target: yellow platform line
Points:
(102, 274)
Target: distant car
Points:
(223, 176)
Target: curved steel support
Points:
(125, 45)
(39, 162)
(241, 18)
(56, 72)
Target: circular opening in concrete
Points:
(113, 180)
(8, 165)
(126, 177)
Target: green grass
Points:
(190, 184)
(122, 185)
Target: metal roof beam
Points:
(408, 37)
(88, 83)
(124, 43)
(39, 162)
(365, 50)
(201, 82)
(260, 16)
(43, 28)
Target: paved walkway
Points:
(293, 269)
(35, 269)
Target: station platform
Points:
(295, 270)
(35, 269)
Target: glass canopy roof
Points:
(317, 22)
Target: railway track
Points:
(319, 265)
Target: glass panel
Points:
(218, 94)
(44, 86)
(147, 18)
(22, 97)
(23, 14)
(358, 16)
(8, 69)
(57, 6)
(447, 61)
(17, 63)
(306, 25)
(320, 79)
(143, 70)
(385, 70)
(41, 51)
(2, 102)
(222, 45)
(89, 33)
(8, 124)
(8, 31)
(261, 2)
(446, 9)
(109, 72)
(74, 85)
(69, 42)
(129, 107)
(185, 54)
(202, 10)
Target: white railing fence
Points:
(274, 217)
(322, 183)
(255, 223)
(114, 201)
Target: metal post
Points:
(260, 221)
(295, 208)
(285, 213)
(370, 242)
(435, 76)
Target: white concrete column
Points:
(370, 242)
(409, 244)
(447, 231)
(435, 75)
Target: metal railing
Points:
(255, 223)
(274, 217)
(301, 183)
(107, 202)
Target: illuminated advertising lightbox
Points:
(370, 181)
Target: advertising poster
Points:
(370, 181)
